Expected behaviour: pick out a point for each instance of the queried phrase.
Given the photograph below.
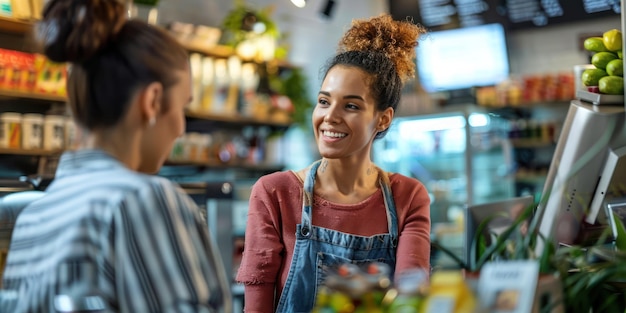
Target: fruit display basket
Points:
(598, 98)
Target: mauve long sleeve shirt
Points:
(276, 207)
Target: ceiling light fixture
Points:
(299, 3)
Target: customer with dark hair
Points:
(108, 236)
(343, 208)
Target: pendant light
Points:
(299, 3)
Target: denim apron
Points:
(318, 249)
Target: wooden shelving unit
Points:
(531, 143)
(15, 26)
(22, 27)
(14, 94)
(235, 119)
(217, 51)
(530, 105)
(215, 164)
(531, 178)
(28, 152)
(223, 52)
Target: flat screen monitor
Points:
(587, 171)
(501, 215)
(459, 59)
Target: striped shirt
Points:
(114, 239)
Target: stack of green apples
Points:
(607, 76)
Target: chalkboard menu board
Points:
(513, 14)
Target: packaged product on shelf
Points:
(221, 81)
(249, 84)
(73, 135)
(182, 31)
(53, 132)
(206, 140)
(51, 76)
(36, 7)
(205, 36)
(17, 71)
(179, 152)
(191, 147)
(281, 108)
(234, 78)
(21, 9)
(5, 8)
(10, 130)
(275, 149)
(32, 131)
(195, 63)
(197, 147)
(256, 140)
(207, 83)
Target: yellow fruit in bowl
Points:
(612, 40)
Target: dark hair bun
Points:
(75, 30)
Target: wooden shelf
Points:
(532, 143)
(21, 27)
(15, 26)
(28, 152)
(530, 105)
(530, 178)
(223, 52)
(14, 94)
(217, 51)
(236, 119)
(542, 104)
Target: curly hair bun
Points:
(396, 39)
(75, 30)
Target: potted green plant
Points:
(593, 278)
(293, 84)
(244, 23)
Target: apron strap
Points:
(307, 198)
(390, 206)
(385, 185)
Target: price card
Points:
(508, 286)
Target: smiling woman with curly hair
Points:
(342, 208)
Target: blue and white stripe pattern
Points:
(133, 242)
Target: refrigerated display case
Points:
(462, 157)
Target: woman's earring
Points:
(152, 121)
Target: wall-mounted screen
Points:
(513, 14)
(462, 58)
